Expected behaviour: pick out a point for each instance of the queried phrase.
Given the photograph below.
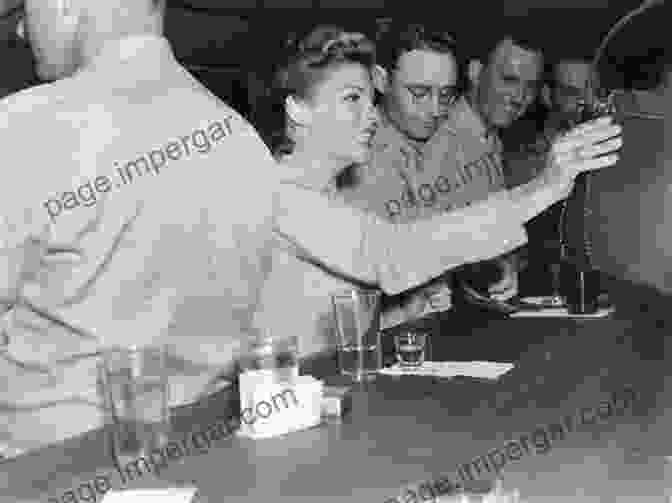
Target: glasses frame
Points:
(450, 101)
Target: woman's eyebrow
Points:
(354, 87)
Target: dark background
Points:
(231, 44)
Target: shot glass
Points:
(357, 315)
(133, 383)
(410, 348)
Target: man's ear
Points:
(546, 96)
(474, 72)
(298, 111)
(380, 78)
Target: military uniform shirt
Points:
(459, 165)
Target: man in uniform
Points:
(436, 151)
(114, 227)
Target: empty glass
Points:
(357, 314)
(133, 383)
(410, 348)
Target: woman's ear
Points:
(380, 78)
(474, 72)
(298, 111)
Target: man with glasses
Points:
(418, 81)
(439, 150)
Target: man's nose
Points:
(436, 108)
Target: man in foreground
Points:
(117, 225)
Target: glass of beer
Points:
(133, 383)
(410, 348)
(357, 315)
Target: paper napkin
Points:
(168, 495)
(477, 369)
(561, 312)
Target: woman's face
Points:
(343, 119)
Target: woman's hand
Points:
(583, 149)
(507, 287)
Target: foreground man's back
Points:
(169, 246)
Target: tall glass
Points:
(357, 315)
(133, 383)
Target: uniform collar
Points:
(389, 136)
(144, 50)
(464, 117)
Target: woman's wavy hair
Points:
(304, 64)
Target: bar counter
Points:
(402, 431)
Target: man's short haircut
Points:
(519, 37)
(399, 38)
(555, 60)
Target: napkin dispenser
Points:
(271, 407)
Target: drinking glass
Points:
(410, 348)
(133, 383)
(357, 314)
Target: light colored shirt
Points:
(392, 256)
(137, 208)
(459, 165)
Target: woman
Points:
(323, 97)
(331, 68)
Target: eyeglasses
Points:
(447, 95)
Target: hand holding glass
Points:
(584, 148)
